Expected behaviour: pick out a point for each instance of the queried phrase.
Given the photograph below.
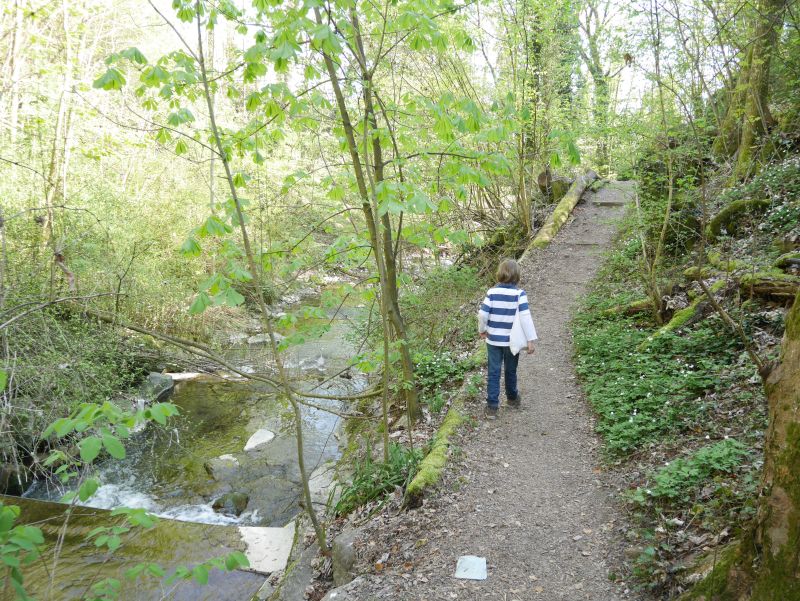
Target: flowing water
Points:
(177, 472)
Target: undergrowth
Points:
(681, 415)
(375, 479)
(68, 361)
(642, 396)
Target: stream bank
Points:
(222, 474)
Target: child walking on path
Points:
(504, 304)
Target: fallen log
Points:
(561, 213)
(773, 285)
(637, 306)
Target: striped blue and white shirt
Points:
(496, 315)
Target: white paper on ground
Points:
(470, 567)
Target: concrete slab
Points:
(268, 549)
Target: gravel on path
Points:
(525, 491)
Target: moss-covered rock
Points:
(684, 316)
(729, 265)
(787, 260)
(727, 218)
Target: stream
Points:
(178, 471)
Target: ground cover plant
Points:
(681, 410)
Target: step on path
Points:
(531, 497)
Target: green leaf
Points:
(200, 574)
(110, 80)
(163, 136)
(7, 518)
(87, 489)
(3, 379)
(179, 117)
(154, 76)
(90, 448)
(235, 560)
(336, 193)
(240, 179)
(181, 147)
(252, 102)
(157, 414)
(191, 248)
(233, 298)
(113, 543)
(214, 226)
(201, 302)
(133, 54)
(113, 446)
(186, 13)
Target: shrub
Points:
(374, 480)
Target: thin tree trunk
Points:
(257, 284)
(381, 241)
(16, 70)
(54, 183)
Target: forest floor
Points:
(527, 491)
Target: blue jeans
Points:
(499, 355)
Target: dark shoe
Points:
(491, 412)
(515, 403)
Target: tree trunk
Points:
(16, 70)
(748, 112)
(777, 534)
(765, 565)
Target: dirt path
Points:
(530, 496)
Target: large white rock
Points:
(262, 436)
(184, 375)
(268, 549)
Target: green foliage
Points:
(643, 396)
(435, 311)
(374, 480)
(681, 478)
(20, 545)
(434, 369)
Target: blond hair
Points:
(508, 272)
